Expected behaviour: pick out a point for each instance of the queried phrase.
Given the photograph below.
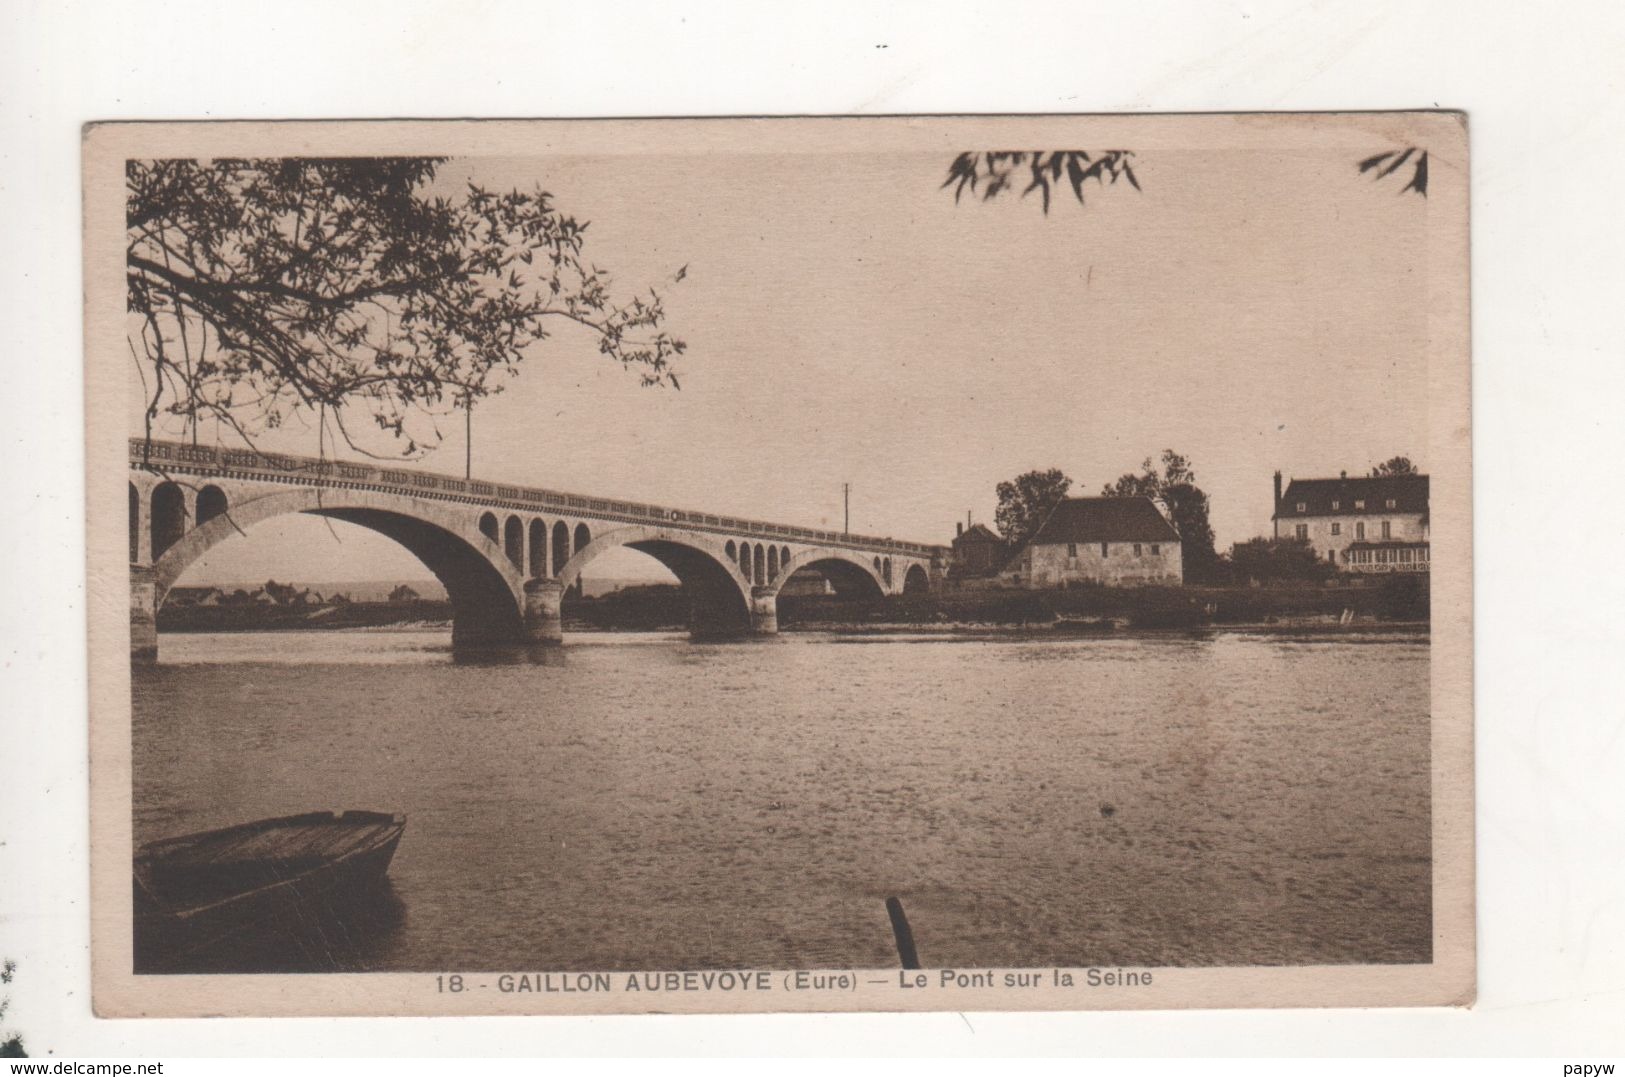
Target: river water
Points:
(641, 801)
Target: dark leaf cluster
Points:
(996, 171)
(1383, 165)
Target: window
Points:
(1136, 549)
(1382, 557)
(1105, 551)
(1302, 531)
(1336, 505)
(1359, 503)
(1405, 555)
(1156, 550)
(1359, 531)
(1387, 530)
(1422, 554)
(1303, 506)
(1391, 503)
(1072, 550)
(1337, 529)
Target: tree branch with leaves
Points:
(995, 171)
(339, 289)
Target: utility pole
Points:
(468, 436)
(846, 508)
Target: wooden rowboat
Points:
(261, 880)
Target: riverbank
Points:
(1399, 602)
(1395, 600)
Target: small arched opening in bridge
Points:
(744, 559)
(135, 524)
(915, 581)
(561, 544)
(733, 550)
(489, 527)
(758, 566)
(715, 594)
(583, 537)
(772, 562)
(513, 541)
(168, 517)
(784, 556)
(277, 536)
(211, 502)
(538, 547)
(885, 572)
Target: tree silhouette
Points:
(1026, 501)
(1398, 465)
(1187, 504)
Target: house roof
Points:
(978, 533)
(1408, 492)
(1105, 519)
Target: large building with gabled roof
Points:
(1367, 524)
(1116, 541)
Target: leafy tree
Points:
(331, 288)
(1002, 169)
(1267, 559)
(1175, 483)
(1399, 465)
(1026, 501)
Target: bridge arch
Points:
(561, 544)
(211, 502)
(719, 593)
(538, 547)
(513, 542)
(847, 570)
(168, 512)
(916, 581)
(485, 588)
(135, 524)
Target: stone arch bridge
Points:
(505, 554)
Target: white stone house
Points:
(1371, 524)
(1116, 541)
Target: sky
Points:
(847, 322)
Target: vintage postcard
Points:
(972, 563)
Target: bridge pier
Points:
(143, 615)
(544, 611)
(764, 611)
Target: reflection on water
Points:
(641, 801)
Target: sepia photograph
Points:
(754, 564)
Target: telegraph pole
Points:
(846, 508)
(468, 436)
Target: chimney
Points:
(1277, 491)
(959, 529)
(1343, 474)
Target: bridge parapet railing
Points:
(284, 467)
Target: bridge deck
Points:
(247, 464)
